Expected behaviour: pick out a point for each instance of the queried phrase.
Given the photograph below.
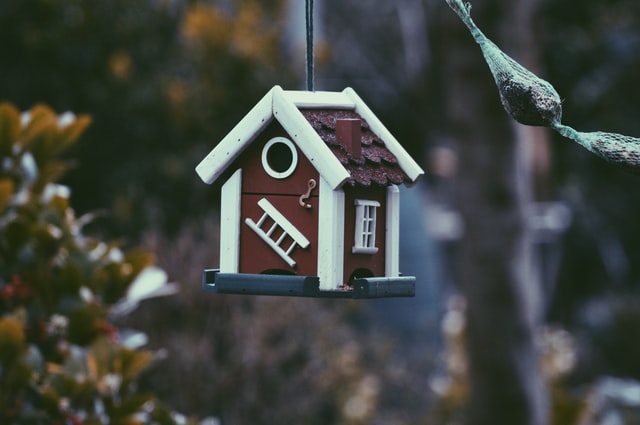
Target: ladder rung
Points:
(262, 219)
(281, 238)
(293, 245)
(290, 261)
(273, 227)
(288, 230)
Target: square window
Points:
(365, 227)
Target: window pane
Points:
(365, 225)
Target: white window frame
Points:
(365, 227)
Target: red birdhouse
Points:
(310, 200)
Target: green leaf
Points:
(86, 324)
(50, 172)
(16, 235)
(111, 281)
(133, 404)
(47, 240)
(70, 278)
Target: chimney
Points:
(349, 135)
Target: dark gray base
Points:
(305, 286)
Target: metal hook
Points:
(311, 184)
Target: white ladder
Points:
(288, 229)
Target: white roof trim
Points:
(283, 106)
(320, 99)
(228, 150)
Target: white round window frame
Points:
(294, 158)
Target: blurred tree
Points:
(493, 190)
(590, 48)
(95, 57)
(410, 86)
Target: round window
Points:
(279, 157)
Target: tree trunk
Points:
(493, 190)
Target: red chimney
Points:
(349, 135)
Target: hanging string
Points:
(309, 22)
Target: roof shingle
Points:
(377, 165)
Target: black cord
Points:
(309, 20)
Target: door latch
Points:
(304, 198)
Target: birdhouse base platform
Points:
(305, 286)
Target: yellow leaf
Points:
(70, 134)
(206, 25)
(12, 339)
(54, 367)
(41, 112)
(92, 367)
(139, 259)
(6, 193)
(40, 132)
(134, 363)
(9, 127)
(101, 357)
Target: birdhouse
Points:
(310, 199)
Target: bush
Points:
(62, 359)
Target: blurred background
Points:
(525, 245)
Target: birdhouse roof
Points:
(310, 120)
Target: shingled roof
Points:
(375, 166)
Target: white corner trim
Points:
(405, 161)
(330, 236)
(230, 223)
(308, 140)
(225, 152)
(392, 237)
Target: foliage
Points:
(62, 359)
